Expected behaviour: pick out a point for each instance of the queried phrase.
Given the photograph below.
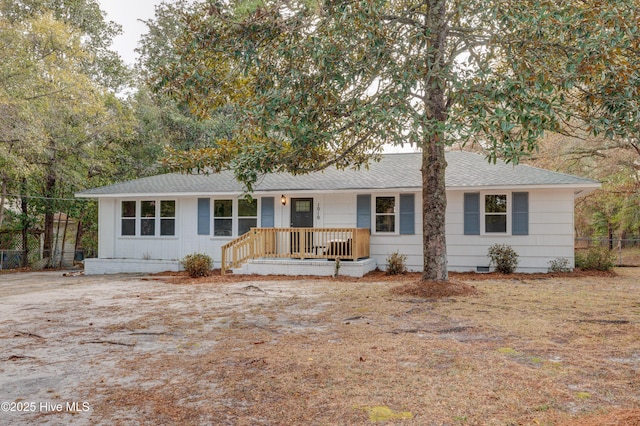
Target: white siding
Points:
(550, 234)
(112, 245)
(107, 216)
(382, 246)
(190, 241)
(550, 231)
(410, 245)
(339, 211)
(151, 247)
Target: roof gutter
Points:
(579, 191)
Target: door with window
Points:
(301, 217)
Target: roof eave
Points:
(588, 186)
(580, 190)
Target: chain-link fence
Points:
(14, 254)
(10, 259)
(65, 252)
(626, 251)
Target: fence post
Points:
(1, 259)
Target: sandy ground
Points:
(64, 335)
(127, 349)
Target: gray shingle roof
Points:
(393, 171)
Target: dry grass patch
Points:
(522, 350)
(519, 351)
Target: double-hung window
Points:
(385, 214)
(167, 217)
(148, 218)
(128, 213)
(222, 218)
(388, 214)
(241, 215)
(495, 213)
(247, 215)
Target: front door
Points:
(302, 212)
(301, 217)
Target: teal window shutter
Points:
(407, 214)
(364, 211)
(204, 216)
(267, 212)
(520, 213)
(472, 213)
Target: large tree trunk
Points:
(434, 195)
(434, 207)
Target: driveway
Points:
(63, 336)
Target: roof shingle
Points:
(393, 171)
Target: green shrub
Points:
(504, 257)
(197, 265)
(595, 258)
(396, 264)
(559, 264)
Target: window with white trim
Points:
(167, 217)
(247, 215)
(223, 218)
(385, 214)
(128, 221)
(495, 214)
(148, 218)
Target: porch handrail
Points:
(238, 251)
(298, 243)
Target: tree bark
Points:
(3, 197)
(79, 232)
(610, 232)
(434, 195)
(49, 212)
(24, 207)
(64, 237)
(434, 207)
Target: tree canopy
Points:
(322, 83)
(84, 16)
(163, 121)
(62, 120)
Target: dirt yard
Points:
(125, 349)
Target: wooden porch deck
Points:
(296, 243)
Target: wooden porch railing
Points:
(297, 243)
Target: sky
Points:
(129, 14)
